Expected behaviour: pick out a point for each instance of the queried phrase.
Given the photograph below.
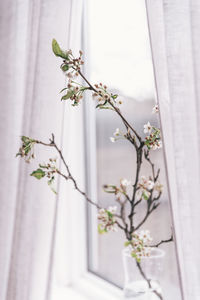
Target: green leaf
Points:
(27, 149)
(105, 107)
(114, 96)
(57, 50)
(145, 196)
(39, 173)
(68, 95)
(101, 105)
(50, 184)
(26, 139)
(100, 230)
(63, 89)
(43, 167)
(133, 254)
(109, 214)
(138, 259)
(65, 68)
(127, 243)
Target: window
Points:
(120, 56)
(118, 51)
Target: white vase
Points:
(142, 281)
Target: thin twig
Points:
(163, 242)
(70, 177)
(148, 213)
(69, 174)
(126, 123)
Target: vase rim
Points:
(159, 253)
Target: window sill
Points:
(88, 287)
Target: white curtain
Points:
(174, 28)
(30, 105)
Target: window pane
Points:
(120, 57)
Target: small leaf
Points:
(127, 243)
(50, 184)
(43, 167)
(133, 254)
(109, 214)
(65, 68)
(39, 173)
(100, 230)
(27, 149)
(101, 105)
(57, 50)
(63, 89)
(145, 196)
(105, 107)
(114, 96)
(69, 94)
(26, 139)
(138, 259)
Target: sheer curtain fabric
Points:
(174, 29)
(30, 105)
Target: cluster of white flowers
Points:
(71, 66)
(103, 96)
(144, 187)
(50, 167)
(27, 149)
(139, 245)
(74, 92)
(107, 219)
(153, 141)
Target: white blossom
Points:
(145, 186)
(116, 133)
(138, 247)
(124, 182)
(107, 219)
(112, 209)
(158, 187)
(145, 183)
(147, 128)
(144, 235)
(112, 139)
(155, 109)
(157, 145)
(150, 184)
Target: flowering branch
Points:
(143, 189)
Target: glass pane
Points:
(120, 57)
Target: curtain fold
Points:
(174, 29)
(30, 105)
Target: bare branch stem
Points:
(163, 242)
